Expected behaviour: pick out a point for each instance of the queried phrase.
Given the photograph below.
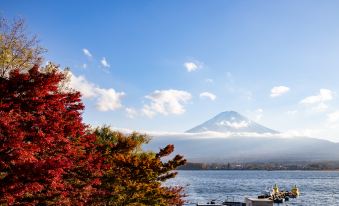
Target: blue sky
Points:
(170, 65)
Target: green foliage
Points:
(133, 176)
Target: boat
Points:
(295, 191)
(228, 203)
(224, 203)
(265, 194)
(256, 202)
(212, 202)
(279, 200)
(267, 198)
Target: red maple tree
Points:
(48, 156)
(45, 150)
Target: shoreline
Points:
(334, 170)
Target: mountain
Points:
(249, 148)
(231, 121)
(231, 137)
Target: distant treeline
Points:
(330, 165)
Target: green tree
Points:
(133, 176)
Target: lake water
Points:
(316, 187)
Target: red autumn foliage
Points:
(41, 138)
(48, 156)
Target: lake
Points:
(316, 187)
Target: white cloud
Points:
(260, 110)
(279, 90)
(193, 65)
(79, 83)
(190, 66)
(84, 66)
(104, 62)
(318, 101)
(292, 112)
(131, 113)
(323, 96)
(290, 134)
(166, 102)
(303, 132)
(106, 99)
(321, 107)
(213, 135)
(208, 95)
(333, 117)
(86, 52)
(208, 80)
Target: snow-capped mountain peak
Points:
(231, 121)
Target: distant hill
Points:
(231, 121)
(232, 137)
(250, 148)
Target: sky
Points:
(171, 65)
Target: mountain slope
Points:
(249, 148)
(231, 121)
(232, 137)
